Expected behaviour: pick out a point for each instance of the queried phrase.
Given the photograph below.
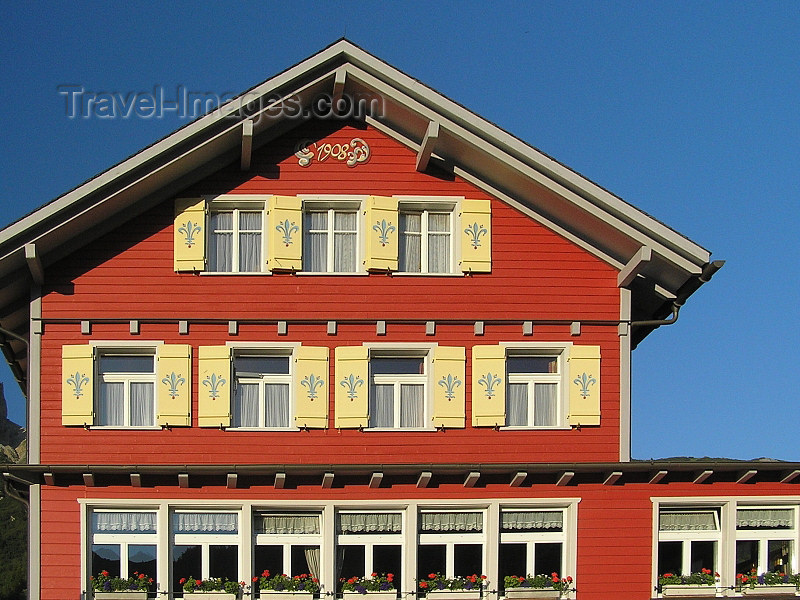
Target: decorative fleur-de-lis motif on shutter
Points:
(489, 381)
(476, 231)
(450, 384)
(352, 383)
(173, 381)
(384, 228)
(77, 381)
(584, 381)
(312, 382)
(287, 229)
(214, 382)
(189, 229)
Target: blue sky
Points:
(689, 111)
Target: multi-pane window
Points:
(287, 543)
(426, 242)
(397, 391)
(688, 540)
(370, 542)
(124, 543)
(532, 398)
(205, 544)
(765, 539)
(330, 241)
(450, 543)
(235, 241)
(262, 391)
(126, 395)
(531, 542)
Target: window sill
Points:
(262, 429)
(127, 427)
(229, 273)
(409, 274)
(334, 274)
(400, 429)
(534, 428)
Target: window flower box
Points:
(121, 595)
(383, 595)
(781, 589)
(522, 593)
(678, 590)
(212, 595)
(276, 595)
(454, 594)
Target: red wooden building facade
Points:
(395, 339)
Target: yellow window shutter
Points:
(311, 374)
(174, 384)
(488, 386)
(584, 385)
(189, 236)
(214, 389)
(285, 233)
(476, 236)
(449, 387)
(381, 233)
(352, 387)
(77, 385)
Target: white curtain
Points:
(315, 242)
(287, 524)
(517, 405)
(142, 404)
(245, 405)
(410, 250)
(767, 518)
(451, 521)
(249, 242)
(312, 560)
(411, 409)
(276, 404)
(532, 521)
(687, 521)
(111, 409)
(544, 404)
(370, 522)
(438, 243)
(124, 522)
(220, 251)
(344, 240)
(381, 406)
(205, 523)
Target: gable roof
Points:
(657, 263)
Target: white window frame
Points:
(123, 540)
(286, 541)
(532, 538)
(369, 541)
(126, 349)
(425, 352)
(686, 537)
(205, 540)
(764, 536)
(331, 205)
(425, 209)
(237, 203)
(450, 540)
(560, 351)
(270, 350)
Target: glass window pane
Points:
(220, 253)
(186, 561)
(142, 408)
(245, 405)
(315, 252)
(439, 222)
(105, 557)
(746, 556)
(410, 244)
(468, 559)
(305, 560)
(547, 558)
(397, 365)
(411, 406)
(261, 365)
(670, 557)
(222, 221)
(532, 364)
(111, 409)
(352, 561)
(142, 559)
(388, 559)
(269, 558)
(517, 405)
(545, 404)
(410, 222)
(513, 561)
(344, 252)
(381, 406)
(703, 556)
(126, 364)
(223, 561)
(344, 221)
(276, 404)
(250, 221)
(438, 253)
(249, 252)
(779, 556)
(431, 559)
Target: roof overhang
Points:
(444, 134)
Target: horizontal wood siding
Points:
(615, 535)
(128, 274)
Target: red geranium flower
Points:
(423, 584)
(255, 579)
(432, 576)
(198, 582)
(104, 573)
(183, 580)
